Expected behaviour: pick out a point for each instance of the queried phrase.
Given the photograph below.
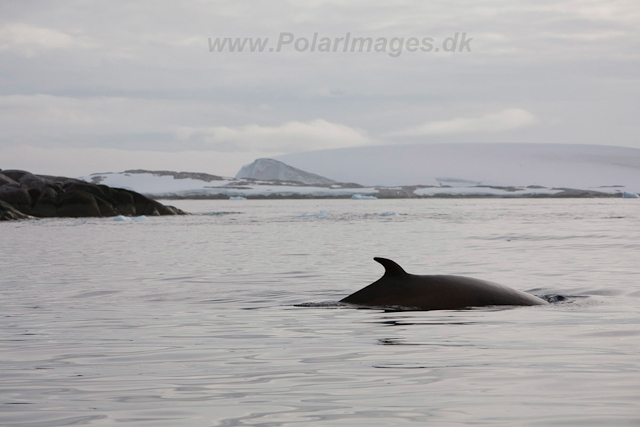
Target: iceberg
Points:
(320, 214)
(387, 214)
(122, 218)
(361, 197)
(237, 198)
(627, 195)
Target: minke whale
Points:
(397, 288)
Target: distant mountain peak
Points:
(270, 169)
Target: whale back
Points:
(397, 288)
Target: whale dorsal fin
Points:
(391, 268)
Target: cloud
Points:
(509, 119)
(286, 138)
(28, 39)
(158, 125)
(61, 120)
(77, 161)
(71, 78)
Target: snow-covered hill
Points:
(200, 185)
(270, 170)
(592, 167)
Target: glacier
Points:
(406, 171)
(575, 166)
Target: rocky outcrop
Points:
(25, 195)
(8, 212)
(269, 170)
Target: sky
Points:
(89, 87)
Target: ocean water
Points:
(195, 320)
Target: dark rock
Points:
(76, 204)
(144, 206)
(5, 180)
(8, 212)
(19, 198)
(14, 174)
(34, 193)
(31, 181)
(46, 203)
(124, 200)
(50, 196)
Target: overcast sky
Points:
(105, 86)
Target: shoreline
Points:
(575, 194)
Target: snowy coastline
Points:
(408, 171)
(168, 187)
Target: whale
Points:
(400, 290)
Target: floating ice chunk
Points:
(320, 214)
(237, 198)
(627, 195)
(361, 197)
(123, 218)
(387, 214)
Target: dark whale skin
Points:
(398, 288)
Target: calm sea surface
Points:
(191, 321)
